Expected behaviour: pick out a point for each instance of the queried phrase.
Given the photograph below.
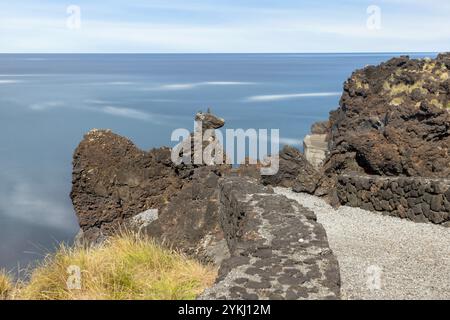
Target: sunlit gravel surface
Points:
(382, 257)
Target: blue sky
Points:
(155, 26)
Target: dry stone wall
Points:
(414, 198)
(277, 248)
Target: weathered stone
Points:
(209, 120)
(407, 200)
(385, 205)
(106, 159)
(447, 194)
(413, 194)
(191, 222)
(425, 209)
(387, 194)
(417, 209)
(113, 181)
(427, 198)
(393, 120)
(315, 148)
(439, 187)
(368, 206)
(447, 206)
(294, 172)
(143, 219)
(268, 228)
(436, 203)
(321, 127)
(352, 200)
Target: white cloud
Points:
(279, 97)
(177, 86)
(127, 113)
(116, 83)
(9, 81)
(101, 106)
(192, 85)
(23, 75)
(96, 101)
(158, 119)
(27, 201)
(47, 105)
(227, 83)
(235, 28)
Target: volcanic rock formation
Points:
(113, 180)
(294, 172)
(394, 120)
(211, 212)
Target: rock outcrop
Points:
(113, 180)
(190, 221)
(394, 120)
(315, 149)
(321, 127)
(294, 172)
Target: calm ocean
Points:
(47, 103)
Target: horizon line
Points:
(281, 53)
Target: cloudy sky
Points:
(30, 26)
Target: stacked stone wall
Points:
(414, 198)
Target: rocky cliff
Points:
(394, 119)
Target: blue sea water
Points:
(47, 103)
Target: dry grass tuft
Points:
(6, 285)
(126, 267)
(396, 101)
(402, 88)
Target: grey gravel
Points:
(412, 259)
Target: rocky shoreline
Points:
(393, 123)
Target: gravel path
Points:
(382, 257)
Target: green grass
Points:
(124, 268)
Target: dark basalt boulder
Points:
(294, 172)
(393, 119)
(190, 222)
(113, 180)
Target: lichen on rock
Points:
(393, 120)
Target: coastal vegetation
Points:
(6, 284)
(124, 267)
